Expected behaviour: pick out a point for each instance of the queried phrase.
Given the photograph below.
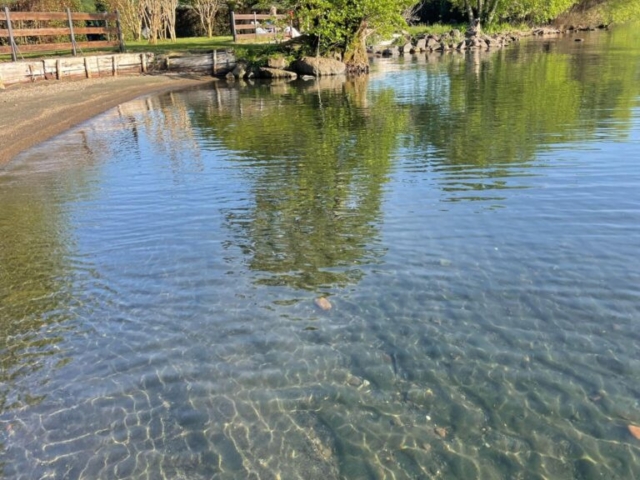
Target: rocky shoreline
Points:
(455, 40)
(472, 40)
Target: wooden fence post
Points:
(143, 62)
(255, 24)
(12, 42)
(120, 35)
(233, 26)
(87, 70)
(73, 36)
(214, 65)
(58, 69)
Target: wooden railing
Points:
(271, 27)
(110, 29)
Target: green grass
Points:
(190, 45)
(434, 29)
(503, 28)
(441, 28)
(182, 45)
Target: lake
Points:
(473, 220)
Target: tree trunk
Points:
(467, 5)
(491, 11)
(355, 54)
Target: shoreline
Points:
(33, 113)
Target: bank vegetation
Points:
(341, 27)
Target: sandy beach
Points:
(32, 113)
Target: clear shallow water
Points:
(474, 221)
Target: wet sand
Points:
(32, 113)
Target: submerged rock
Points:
(441, 432)
(635, 431)
(323, 303)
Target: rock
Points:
(579, 40)
(432, 43)
(323, 303)
(406, 48)
(546, 31)
(230, 76)
(441, 432)
(387, 52)
(240, 70)
(461, 46)
(421, 45)
(318, 66)
(635, 431)
(277, 62)
(455, 33)
(266, 72)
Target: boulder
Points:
(277, 62)
(406, 48)
(421, 45)
(432, 44)
(461, 46)
(387, 52)
(318, 66)
(266, 72)
(240, 70)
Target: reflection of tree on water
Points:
(35, 281)
(317, 161)
(501, 110)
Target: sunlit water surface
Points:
(473, 220)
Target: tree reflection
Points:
(480, 116)
(317, 159)
(35, 282)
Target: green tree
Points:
(621, 10)
(485, 12)
(345, 25)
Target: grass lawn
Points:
(182, 45)
(191, 45)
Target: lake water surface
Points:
(473, 220)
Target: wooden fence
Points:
(110, 29)
(275, 27)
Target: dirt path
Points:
(32, 113)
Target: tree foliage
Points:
(621, 10)
(344, 25)
(207, 11)
(486, 12)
